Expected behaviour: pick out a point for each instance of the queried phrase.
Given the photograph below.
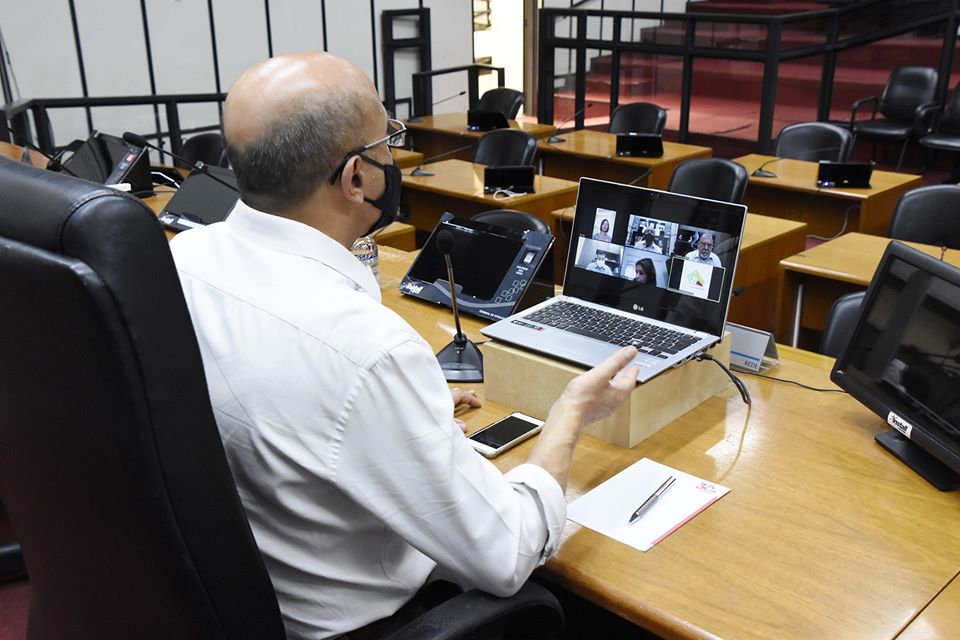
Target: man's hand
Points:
(462, 398)
(599, 392)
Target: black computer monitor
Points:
(903, 361)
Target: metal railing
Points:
(888, 18)
(41, 133)
(423, 92)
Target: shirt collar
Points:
(289, 236)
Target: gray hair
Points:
(292, 158)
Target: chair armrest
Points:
(859, 103)
(532, 608)
(12, 566)
(925, 118)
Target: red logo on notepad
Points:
(706, 487)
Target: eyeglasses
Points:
(396, 137)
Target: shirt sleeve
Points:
(405, 460)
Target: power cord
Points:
(846, 221)
(799, 384)
(737, 382)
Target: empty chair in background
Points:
(714, 178)
(506, 101)
(814, 141)
(930, 215)
(638, 117)
(505, 147)
(901, 104)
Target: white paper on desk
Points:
(607, 508)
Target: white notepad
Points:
(607, 508)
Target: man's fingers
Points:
(615, 363)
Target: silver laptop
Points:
(645, 267)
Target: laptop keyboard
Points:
(610, 327)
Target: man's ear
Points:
(351, 180)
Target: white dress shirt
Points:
(338, 428)
(712, 259)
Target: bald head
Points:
(289, 120)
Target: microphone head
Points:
(445, 242)
(131, 138)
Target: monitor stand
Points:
(928, 467)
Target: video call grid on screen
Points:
(657, 253)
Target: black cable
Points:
(799, 384)
(737, 382)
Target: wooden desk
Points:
(794, 195)
(457, 187)
(446, 131)
(15, 152)
(766, 241)
(824, 534)
(398, 234)
(406, 159)
(941, 618)
(594, 154)
(811, 281)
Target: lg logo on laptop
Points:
(637, 307)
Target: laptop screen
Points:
(656, 254)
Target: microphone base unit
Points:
(461, 361)
(555, 139)
(763, 173)
(421, 172)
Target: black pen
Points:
(652, 500)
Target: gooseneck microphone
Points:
(760, 172)
(131, 138)
(433, 104)
(417, 171)
(460, 360)
(556, 138)
(53, 162)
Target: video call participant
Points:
(599, 265)
(644, 272)
(336, 420)
(648, 243)
(604, 233)
(704, 251)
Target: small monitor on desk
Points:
(903, 361)
(109, 160)
(511, 178)
(844, 175)
(498, 271)
(480, 120)
(639, 145)
(200, 200)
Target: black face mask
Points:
(389, 201)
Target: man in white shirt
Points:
(704, 251)
(649, 243)
(337, 422)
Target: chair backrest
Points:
(506, 101)
(638, 117)
(907, 89)
(950, 119)
(928, 214)
(714, 178)
(814, 141)
(210, 148)
(505, 147)
(513, 220)
(840, 323)
(111, 466)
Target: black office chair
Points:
(638, 117)
(513, 220)
(943, 134)
(841, 322)
(505, 147)
(714, 178)
(814, 141)
(506, 101)
(111, 465)
(930, 215)
(907, 92)
(209, 148)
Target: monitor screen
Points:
(903, 359)
(475, 277)
(661, 255)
